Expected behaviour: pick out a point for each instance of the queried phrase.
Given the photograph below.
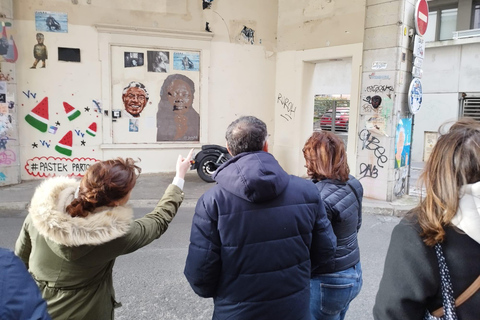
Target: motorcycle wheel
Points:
(206, 168)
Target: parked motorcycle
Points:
(208, 160)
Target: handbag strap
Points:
(446, 287)
(470, 291)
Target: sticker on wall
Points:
(133, 59)
(51, 21)
(92, 129)
(415, 95)
(158, 61)
(176, 118)
(54, 166)
(39, 51)
(186, 61)
(38, 116)
(52, 129)
(71, 112)
(133, 125)
(403, 138)
(64, 146)
(248, 34)
(8, 48)
(135, 98)
(206, 4)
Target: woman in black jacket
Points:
(332, 289)
(449, 215)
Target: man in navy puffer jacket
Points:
(257, 235)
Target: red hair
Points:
(325, 157)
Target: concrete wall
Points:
(450, 68)
(310, 32)
(236, 76)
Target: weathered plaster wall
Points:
(237, 77)
(308, 24)
(309, 32)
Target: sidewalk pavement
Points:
(150, 187)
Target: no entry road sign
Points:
(421, 17)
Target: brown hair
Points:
(325, 157)
(104, 183)
(454, 162)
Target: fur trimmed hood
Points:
(47, 211)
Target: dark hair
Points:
(325, 157)
(454, 162)
(246, 134)
(104, 183)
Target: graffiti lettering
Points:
(52, 166)
(79, 133)
(379, 88)
(372, 143)
(29, 94)
(368, 171)
(45, 143)
(4, 77)
(366, 108)
(287, 106)
(7, 157)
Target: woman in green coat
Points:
(76, 229)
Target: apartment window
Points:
(442, 22)
(476, 15)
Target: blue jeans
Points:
(331, 293)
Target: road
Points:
(150, 282)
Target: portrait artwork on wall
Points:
(165, 104)
(51, 21)
(133, 59)
(189, 61)
(177, 120)
(158, 61)
(40, 52)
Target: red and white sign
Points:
(421, 17)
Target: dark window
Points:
(471, 108)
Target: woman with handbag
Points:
(434, 252)
(332, 288)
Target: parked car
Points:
(341, 119)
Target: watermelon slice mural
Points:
(64, 146)
(71, 112)
(92, 129)
(38, 117)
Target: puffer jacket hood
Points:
(68, 237)
(468, 214)
(254, 176)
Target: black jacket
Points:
(344, 211)
(254, 236)
(411, 278)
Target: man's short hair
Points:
(246, 134)
(135, 84)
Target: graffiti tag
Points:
(29, 94)
(379, 88)
(7, 157)
(287, 106)
(372, 143)
(368, 171)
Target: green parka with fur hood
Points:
(71, 259)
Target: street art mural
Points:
(39, 51)
(135, 98)
(61, 147)
(177, 120)
(44, 167)
(8, 48)
(133, 59)
(47, 21)
(186, 61)
(158, 61)
(403, 138)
